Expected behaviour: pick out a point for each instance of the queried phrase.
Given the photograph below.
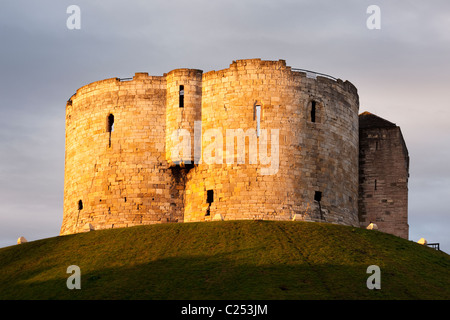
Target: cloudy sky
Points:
(402, 72)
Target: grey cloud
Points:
(401, 73)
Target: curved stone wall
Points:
(119, 178)
(184, 103)
(315, 160)
(276, 144)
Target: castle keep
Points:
(259, 140)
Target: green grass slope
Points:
(229, 260)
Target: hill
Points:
(232, 260)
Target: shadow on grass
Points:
(219, 278)
(227, 261)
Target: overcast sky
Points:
(402, 73)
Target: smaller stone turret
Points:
(184, 108)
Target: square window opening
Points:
(318, 196)
(210, 196)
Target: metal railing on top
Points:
(314, 73)
(434, 246)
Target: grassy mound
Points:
(230, 260)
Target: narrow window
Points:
(375, 184)
(318, 196)
(80, 205)
(110, 123)
(181, 102)
(110, 126)
(209, 200)
(258, 120)
(210, 196)
(313, 111)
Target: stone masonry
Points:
(383, 175)
(258, 140)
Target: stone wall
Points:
(183, 108)
(384, 173)
(315, 156)
(119, 178)
(276, 144)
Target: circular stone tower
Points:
(258, 140)
(277, 144)
(116, 173)
(184, 108)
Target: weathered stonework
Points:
(304, 167)
(383, 175)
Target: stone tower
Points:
(258, 140)
(116, 172)
(383, 175)
(183, 109)
(312, 121)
